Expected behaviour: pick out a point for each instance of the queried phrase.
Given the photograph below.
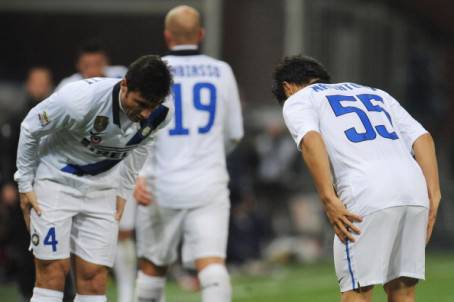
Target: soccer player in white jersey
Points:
(93, 61)
(185, 180)
(383, 195)
(74, 182)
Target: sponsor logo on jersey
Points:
(35, 239)
(43, 118)
(101, 123)
(106, 151)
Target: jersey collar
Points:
(184, 50)
(116, 104)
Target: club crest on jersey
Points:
(35, 239)
(101, 123)
(43, 118)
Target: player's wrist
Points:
(328, 197)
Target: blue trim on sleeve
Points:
(349, 264)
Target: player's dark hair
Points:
(90, 46)
(298, 70)
(150, 76)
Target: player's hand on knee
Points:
(341, 219)
(141, 194)
(121, 202)
(29, 201)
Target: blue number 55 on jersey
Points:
(371, 131)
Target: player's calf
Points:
(151, 282)
(401, 289)
(50, 280)
(214, 280)
(51, 274)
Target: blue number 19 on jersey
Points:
(209, 107)
(371, 132)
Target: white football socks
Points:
(150, 288)
(215, 283)
(125, 270)
(90, 298)
(46, 295)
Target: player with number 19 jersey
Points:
(368, 137)
(187, 167)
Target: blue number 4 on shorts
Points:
(51, 239)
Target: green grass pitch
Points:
(314, 283)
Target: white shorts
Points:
(202, 230)
(74, 222)
(128, 220)
(391, 245)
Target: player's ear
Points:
(291, 88)
(287, 88)
(123, 84)
(201, 34)
(167, 37)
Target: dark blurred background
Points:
(405, 47)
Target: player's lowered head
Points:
(145, 86)
(92, 60)
(183, 27)
(296, 72)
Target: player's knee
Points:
(125, 235)
(400, 284)
(215, 282)
(51, 273)
(362, 294)
(204, 262)
(151, 269)
(401, 289)
(92, 280)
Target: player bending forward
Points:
(186, 174)
(384, 201)
(73, 183)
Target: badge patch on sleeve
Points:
(43, 118)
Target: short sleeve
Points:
(407, 126)
(300, 116)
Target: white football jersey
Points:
(116, 71)
(186, 166)
(369, 139)
(85, 137)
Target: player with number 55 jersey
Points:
(186, 178)
(383, 194)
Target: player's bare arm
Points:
(316, 158)
(424, 149)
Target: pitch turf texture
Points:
(312, 283)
